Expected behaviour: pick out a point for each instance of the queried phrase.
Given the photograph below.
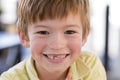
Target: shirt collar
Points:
(78, 69)
(32, 74)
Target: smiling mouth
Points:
(56, 56)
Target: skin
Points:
(55, 44)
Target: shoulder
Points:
(15, 73)
(94, 64)
(89, 58)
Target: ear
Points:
(23, 39)
(84, 41)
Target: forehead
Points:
(70, 20)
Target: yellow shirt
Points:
(87, 67)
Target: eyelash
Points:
(66, 32)
(70, 32)
(43, 32)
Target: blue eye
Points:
(43, 32)
(70, 32)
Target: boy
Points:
(55, 31)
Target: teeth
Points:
(50, 56)
(59, 57)
(56, 57)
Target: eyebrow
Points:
(36, 26)
(44, 26)
(72, 26)
(41, 26)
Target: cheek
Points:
(75, 45)
(37, 46)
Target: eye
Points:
(43, 32)
(70, 32)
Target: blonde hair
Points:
(29, 11)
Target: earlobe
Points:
(23, 39)
(84, 41)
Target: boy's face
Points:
(55, 44)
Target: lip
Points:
(56, 58)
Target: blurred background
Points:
(104, 38)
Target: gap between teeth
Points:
(56, 57)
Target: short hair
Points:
(29, 11)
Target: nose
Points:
(57, 41)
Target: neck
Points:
(46, 75)
(52, 76)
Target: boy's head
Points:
(57, 30)
(30, 11)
